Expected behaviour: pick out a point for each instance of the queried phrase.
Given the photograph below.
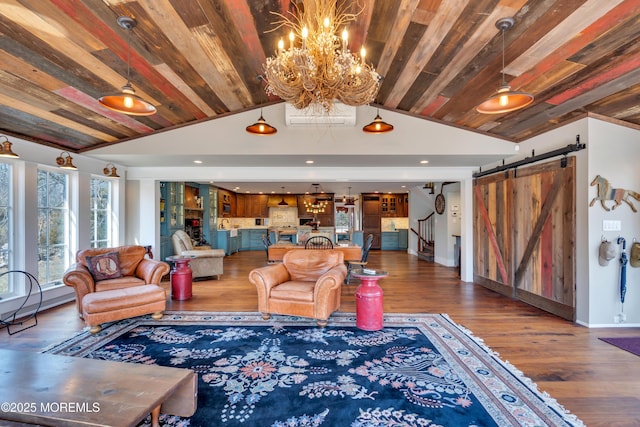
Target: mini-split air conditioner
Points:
(340, 115)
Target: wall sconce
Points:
(65, 161)
(5, 150)
(111, 171)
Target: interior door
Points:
(372, 219)
(525, 234)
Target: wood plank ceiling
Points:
(198, 59)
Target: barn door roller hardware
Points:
(528, 160)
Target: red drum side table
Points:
(369, 300)
(181, 277)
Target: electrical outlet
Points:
(611, 225)
(619, 318)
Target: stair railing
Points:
(425, 232)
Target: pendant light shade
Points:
(377, 125)
(505, 99)
(127, 102)
(5, 149)
(261, 127)
(283, 202)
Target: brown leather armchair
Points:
(307, 283)
(136, 270)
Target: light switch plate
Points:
(611, 225)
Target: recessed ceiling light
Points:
(197, 162)
(309, 162)
(424, 162)
(403, 186)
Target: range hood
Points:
(275, 200)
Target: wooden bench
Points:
(52, 390)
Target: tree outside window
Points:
(53, 226)
(6, 211)
(100, 213)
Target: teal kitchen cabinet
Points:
(229, 240)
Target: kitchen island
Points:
(351, 252)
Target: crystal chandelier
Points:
(316, 206)
(318, 68)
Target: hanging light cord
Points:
(129, 58)
(504, 81)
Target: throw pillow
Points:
(105, 266)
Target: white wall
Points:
(25, 199)
(445, 227)
(614, 153)
(611, 151)
(420, 205)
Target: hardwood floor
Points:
(592, 379)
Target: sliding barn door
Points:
(525, 233)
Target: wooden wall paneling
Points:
(545, 274)
(569, 238)
(547, 270)
(491, 204)
(487, 238)
(478, 238)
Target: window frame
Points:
(9, 252)
(108, 212)
(66, 247)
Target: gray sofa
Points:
(207, 262)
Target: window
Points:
(53, 226)
(6, 259)
(100, 213)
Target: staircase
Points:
(427, 253)
(425, 238)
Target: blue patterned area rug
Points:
(420, 370)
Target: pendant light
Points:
(349, 201)
(5, 150)
(261, 127)
(377, 125)
(283, 202)
(505, 99)
(127, 101)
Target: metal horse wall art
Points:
(617, 195)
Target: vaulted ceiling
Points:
(197, 60)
